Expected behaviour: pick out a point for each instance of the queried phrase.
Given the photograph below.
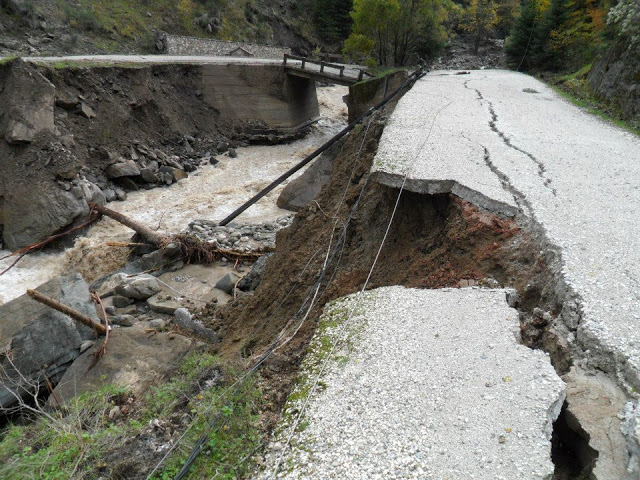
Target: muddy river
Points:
(210, 193)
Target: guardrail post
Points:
(304, 61)
(342, 71)
(321, 67)
(360, 75)
(286, 55)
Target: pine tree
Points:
(479, 18)
(518, 45)
(548, 53)
(332, 19)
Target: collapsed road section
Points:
(563, 239)
(420, 384)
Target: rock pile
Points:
(147, 167)
(459, 55)
(241, 238)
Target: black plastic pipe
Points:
(412, 79)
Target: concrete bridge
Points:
(274, 97)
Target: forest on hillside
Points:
(541, 35)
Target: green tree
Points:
(547, 52)
(508, 11)
(332, 19)
(396, 28)
(478, 19)
(518, 44)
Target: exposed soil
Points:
(154, 106)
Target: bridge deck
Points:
(342, 74)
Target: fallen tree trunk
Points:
(50, 302)
(145, 232)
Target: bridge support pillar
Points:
(262, 99)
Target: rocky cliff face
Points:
(616, 77)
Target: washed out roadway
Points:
(504, 141)
(507, 143)
(426, 384)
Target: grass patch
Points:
(575, 88)
(6, 60)
(73, 442)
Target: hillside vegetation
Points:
(103, 26)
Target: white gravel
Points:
(504, 138)
(431, 384)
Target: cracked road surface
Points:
(508, 143)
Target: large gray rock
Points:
(184, 321)
(252, 279)
(228, 282)
(128, 168)
(134, 361)
(42, 341)
(162, 303)
(30, 218)
(307, 186)
(140, 287)
(615, 76)
(27, 100)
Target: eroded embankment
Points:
(74, 134)
(435, 241)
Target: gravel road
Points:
(429, 384)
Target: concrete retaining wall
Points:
(181, 45)
(261, 94)
(364, 95)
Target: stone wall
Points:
(180, 45)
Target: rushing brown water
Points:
(211, 193)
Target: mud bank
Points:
(77, 134)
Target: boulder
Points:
(228, 282)
(172, 174)
(179, 174)
(307, 186)
(184, 321)
(127, 183)
(86, 111)
(123, 320)
(43, 342)
(29, 219)
(120, 302)
(163, 303)
(135, 361)
(148, 175)
(139, 288)
(66, 102)
(252, 279)
(127, 168)
(28, 103)
(160, 258)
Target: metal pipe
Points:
(412, 78)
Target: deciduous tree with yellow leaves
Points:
(478, 19)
